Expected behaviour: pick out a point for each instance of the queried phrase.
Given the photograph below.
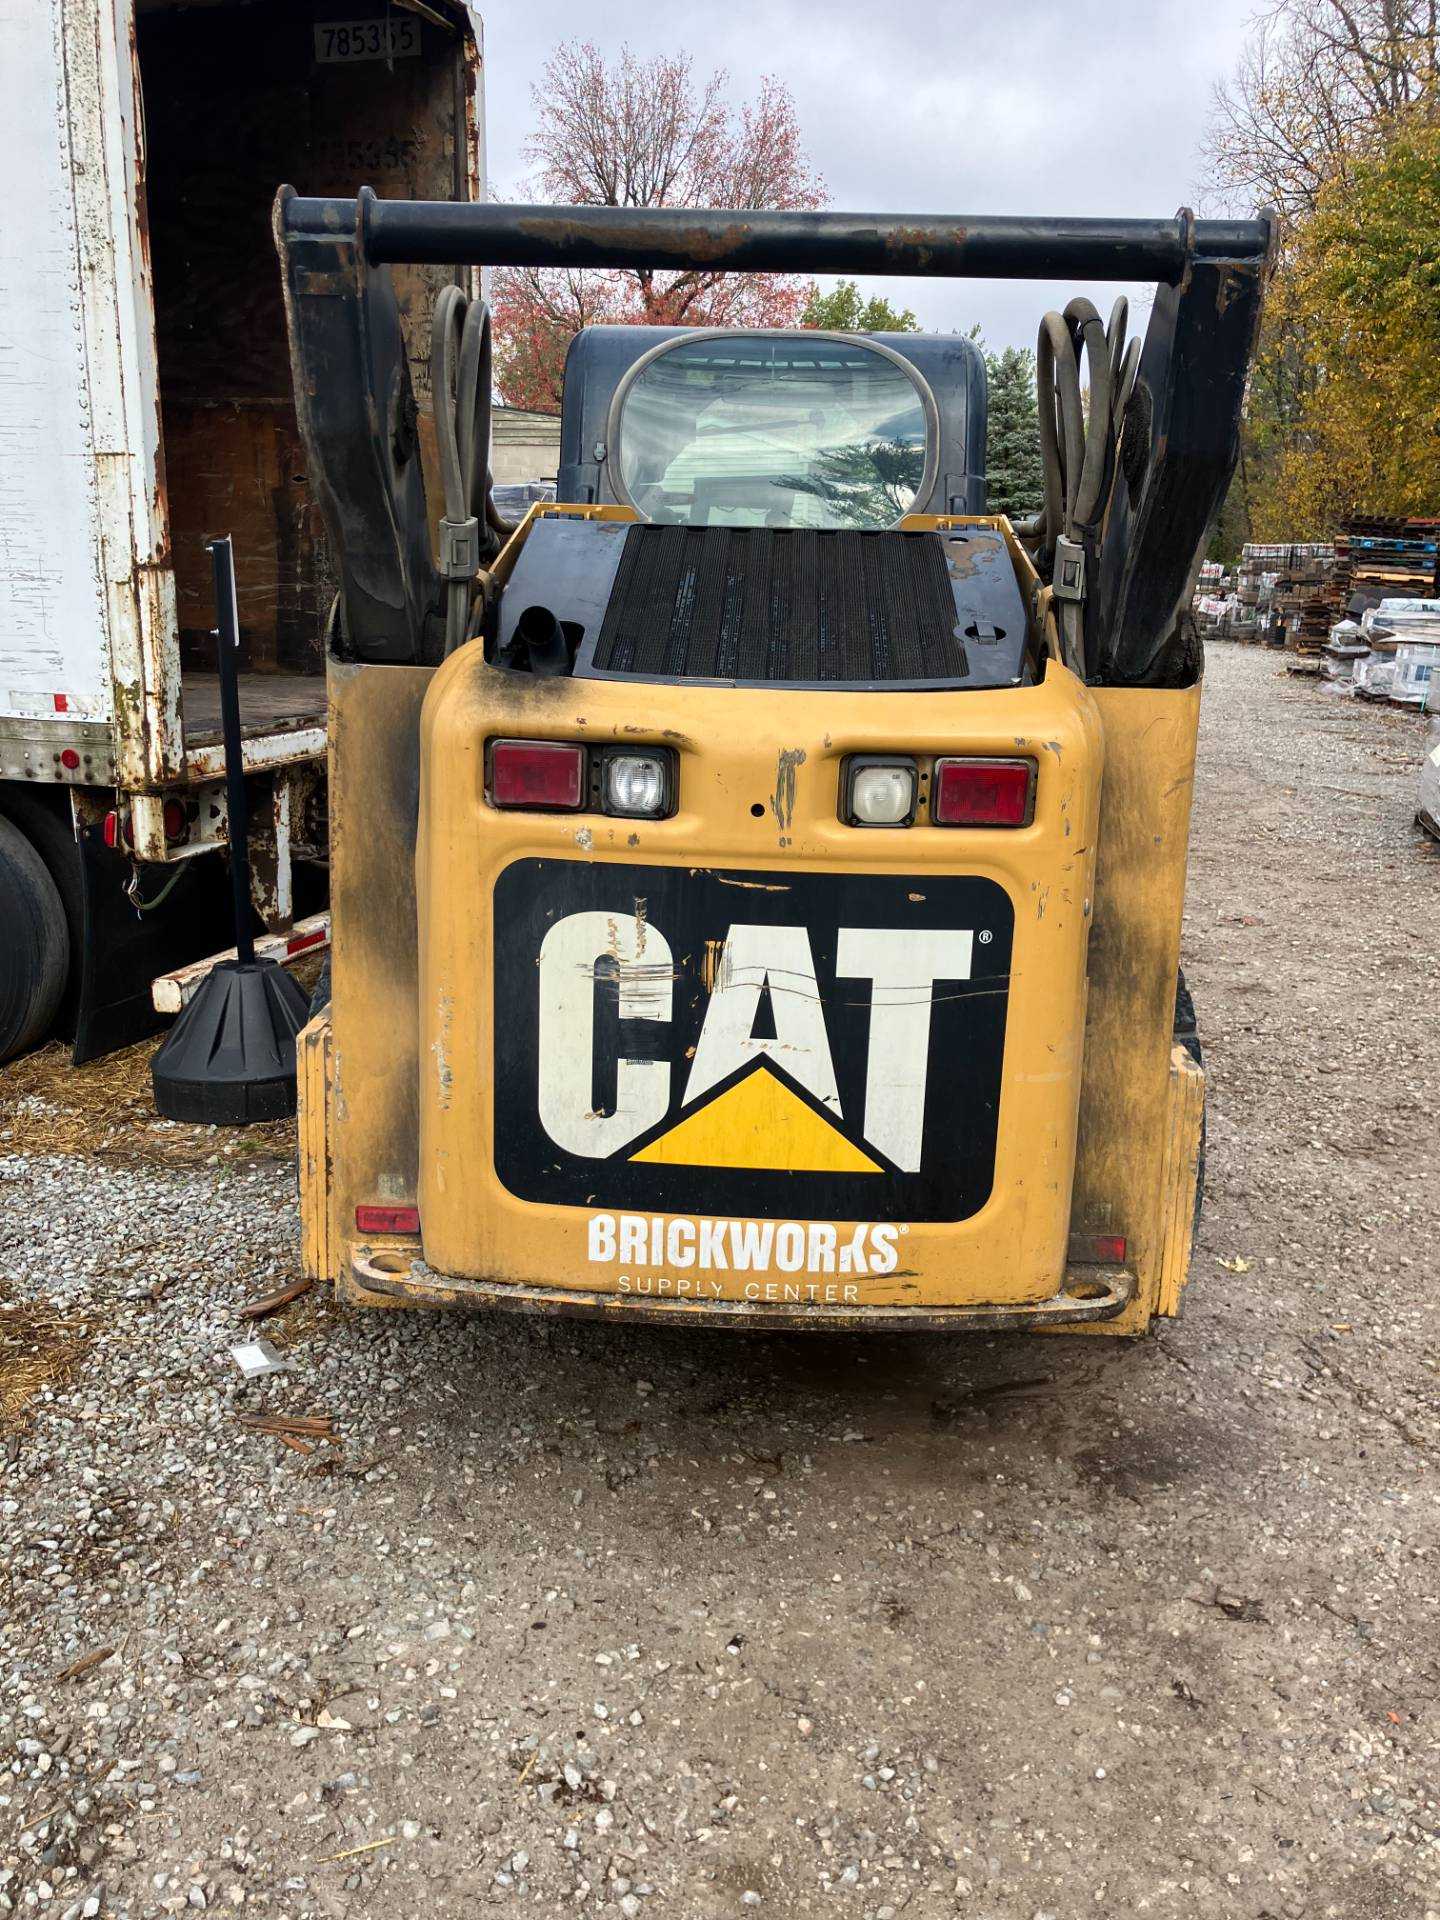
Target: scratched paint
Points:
(440, 1048)
(782, 800)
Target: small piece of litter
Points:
(255, 1358)
(385, 1840)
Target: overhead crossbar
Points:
(987, 246)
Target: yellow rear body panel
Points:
(759, 784)
(1097, 1130)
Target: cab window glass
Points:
(757, 431)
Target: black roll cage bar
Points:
(357, 413)
(946, 246)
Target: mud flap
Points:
(123, 951)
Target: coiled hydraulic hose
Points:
(460, 385)
(1079, 445)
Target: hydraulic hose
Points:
(461, 386)
(1078, 445)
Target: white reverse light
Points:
(636, 784)
(884, 795)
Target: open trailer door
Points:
(160, 132)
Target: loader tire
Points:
(1187, 1036)
(320, 992)
(35, 947)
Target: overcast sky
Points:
(1020, 106)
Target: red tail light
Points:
(983, 793)
(537, 773)
(1098, 1249)
(387, 1219)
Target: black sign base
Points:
(229, 1060)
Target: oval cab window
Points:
(765, 430)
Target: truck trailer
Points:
(145, 405)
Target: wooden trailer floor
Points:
(269, 703)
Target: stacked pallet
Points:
(1281, 586)
(1378, 558)
(1364, 611)
(1301, 600)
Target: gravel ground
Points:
(576, 1618)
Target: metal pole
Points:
(454, 233)
(227, 635)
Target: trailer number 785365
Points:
(337, 40)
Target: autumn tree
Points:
(842, 310)
(644, 133)
(1321, 90)
(1366, 267)
(1317, 84)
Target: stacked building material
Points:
(1427, 808)
(1378, 559)
(1283, 584)
(1364, 611)
(1300, 601)
(1253, 587)
(1413, 629)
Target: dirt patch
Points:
(106, 1111)
(39, 1347)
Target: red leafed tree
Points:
(640, 133)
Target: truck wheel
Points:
(35, 952)
(50, 832)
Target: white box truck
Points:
(145, 406)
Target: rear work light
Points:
(538, 774)
(635, 783)
(882, 792)
(387, 1219)
(983, 793)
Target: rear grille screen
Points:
(781, 604)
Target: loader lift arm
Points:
(1180, 431)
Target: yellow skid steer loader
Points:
(757, 876)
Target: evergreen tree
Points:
(1012, 441)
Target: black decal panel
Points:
(814, 1045)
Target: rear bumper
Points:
(396, 1273)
